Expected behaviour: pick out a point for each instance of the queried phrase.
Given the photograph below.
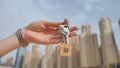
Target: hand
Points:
(45, 32)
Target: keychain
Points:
(65, 49)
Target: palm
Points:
(46, 37)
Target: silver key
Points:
(65, 30)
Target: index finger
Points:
(54, 24)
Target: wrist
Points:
(21, 36)
(26, 35)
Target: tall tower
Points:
(0, 61)
(43, 62)
(27, 61)
(48, 58)
(9, 62)
(19, 57)
(36, 57)
(89, 51)
(119, 23)
(75, 52)
(61, 61)
(108, 45)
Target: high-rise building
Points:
(48, 58)
(96, 50)
(75, 42)
(19, 57)
(9, 62)
(75, 53)
(43, 62)
(0, 61)
(54, 58)
(89, 51)
(119, 55)
(119, 23)
(108, 45)
(70, 62)
(36, 57)
(61, 62)
(32, 58)
(27, 61)
(57, 58)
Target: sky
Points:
(15, 14)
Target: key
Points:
(64, 29)
(65, 49)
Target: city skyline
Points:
(19, 13)
(85, 53)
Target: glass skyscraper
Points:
(19, 57)
(0, 61)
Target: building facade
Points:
(32, 58)
(0, 61)
(27, 61)
(9, 62)
(89, 51)
(19, 57)
(36, 56)
(108, 45)
(48, 56)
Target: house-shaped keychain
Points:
(65, 49)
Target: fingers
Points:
(54, 24)
(55, 39)
(73, 34)
(56, 30)
(74, 28)
(59, 38)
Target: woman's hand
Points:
(40, 32)
(46, 32)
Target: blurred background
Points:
(15, 14)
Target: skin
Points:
(39, 32)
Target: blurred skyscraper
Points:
(32, 58)
(89, 51)
(75, 59)
(19, 57)
(27, 61)
(119, 55)
(36, 56)
(55, 58)
(9, 62)
(48, 58)
(108, 45)
(0, 61)
(61, 61)
(43, 62)
(119, 23)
